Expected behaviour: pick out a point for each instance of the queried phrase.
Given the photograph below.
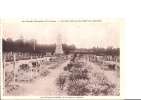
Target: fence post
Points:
(14, 66)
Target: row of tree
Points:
(106, 51)
(32, 46)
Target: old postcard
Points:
(44, 58)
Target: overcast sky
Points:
(82, 34)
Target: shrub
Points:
(77, 88)
(24, 67)
(35, 64)
(111, 66)
(100, 85)
(78, 73)
(68, 67)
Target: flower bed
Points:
(81, 80)
(100, 86)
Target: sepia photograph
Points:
(61, 57)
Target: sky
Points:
(81, 34)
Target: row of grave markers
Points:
(15, 67)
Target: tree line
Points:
(106, 51)
(32, 46)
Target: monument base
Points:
(58, 54)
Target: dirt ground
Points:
(42, 86)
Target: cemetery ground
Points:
(77, 76)
(43, 85)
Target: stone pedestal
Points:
(59, 49)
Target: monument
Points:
(59, 49)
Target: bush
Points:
(78, 74)
(35, 64)
(111, 66)
(78, 88)
(100, 85)
(24, 67)
(68, 67)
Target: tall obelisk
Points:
(59, 49)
